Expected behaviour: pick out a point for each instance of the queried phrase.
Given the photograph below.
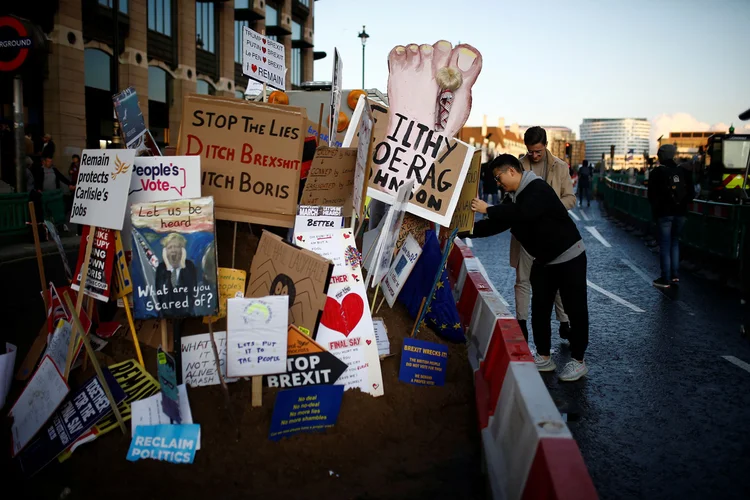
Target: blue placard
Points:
(165, 442)
(305, 409)
(423, 363)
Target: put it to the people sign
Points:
(263, 59)
(102, 190)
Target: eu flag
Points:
(442, 315)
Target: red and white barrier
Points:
(528, 448)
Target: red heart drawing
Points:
(254, 67)
(264, 49)
(355, 278)
(299, 238)
(346, 236)
(264, 59)
(375, 386)
(368, 341)
(264, 41)
(343, 317)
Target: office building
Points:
(687, 143)
(577, 150)
(628, 135)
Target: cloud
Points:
(685, 122)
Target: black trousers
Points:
(570, 279)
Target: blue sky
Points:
(684, 62)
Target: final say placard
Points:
(174, 259)
(251, 156)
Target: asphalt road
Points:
(662, 413)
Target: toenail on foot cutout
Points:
(465, 59)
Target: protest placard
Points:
(386, 244)
(174, 258)
(463, 216)
(52, 232)
(314, 218)
(102, 187)
(401, 268)
(38, 401)
(263, 59)
(122, 284)
(279, 268)
(381, 334)
(415, 226)
(330, 181)
(231, 285)
(57, 346)
(129, 114)
(7, 362)
(305, 409)
(198, 363)
(307, 364)
(80, 410)
(98, 282)
(346, 324)
(335, 105)
(59, 309)
(363, 120)
(257, 335)
(176, 444)
(167, 371)
(250, 156)
(149, 412)
(423, 363)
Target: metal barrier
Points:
(14, 212)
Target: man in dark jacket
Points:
(669, 192)
(538, 219)
(584, 183)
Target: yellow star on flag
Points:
(439, 285)
(457, 326)
(429, 309)
(443, 326)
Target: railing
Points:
(14, 212)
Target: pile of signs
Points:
(301, 321)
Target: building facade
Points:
(687, 143)
(577, 150)
(166, 49)
(628, 135)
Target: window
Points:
(160, 16)
(205, 88)
(205, 32)
(123, 5)
(238, 30)
(296, 30)
(241, 4)
(97, 69)
(157, 84)
(306, 3)
(297, 66)
(272, 15)
(239, 95)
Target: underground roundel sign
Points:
(14, 43)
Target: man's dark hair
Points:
(504, 162)
(535, 135)
(585, 163)
(76, 156)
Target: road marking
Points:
(573, 214)
(598, 236)
(614, 297)
(738, 362)
(583, 214)
(637, 271)
(469, 243)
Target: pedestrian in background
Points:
(489, 186)
(584, 183)
(669, 192)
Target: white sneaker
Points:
(544, 365)
(573, 371)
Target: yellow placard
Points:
(123, 283)
(231, 284)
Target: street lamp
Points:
(363, 36)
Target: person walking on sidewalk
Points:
(669, 192)
(584, 183)
(555, 172)
(538, 219)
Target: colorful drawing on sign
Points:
(314, 218)
(386, 244)
(402, 266)
(79, 411)
(198, 363)
(463, 216)
(423, 363)
(305, 409)
(102, 187)
(100, 264)
(170, 398)
(263, 59)
(168, 443)
(250, 156)
(335, 105)
(231, 285)
(330, 181)
(257, 335)
(362, 116)
(346, 325)
(307, 363)
(279, 268)
(174, 259)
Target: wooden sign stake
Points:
(39, 261)
(419, 318)
(164, 336)
(95, 362)
(320, 125)
(90, 313)
(257, 391)
(380, 305)
(374, 298)
(234, 243)
(79, 301)
(222, 381)
(132, 329)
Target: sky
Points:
(683, 64)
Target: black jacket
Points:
(662, 203)
(537, 219)
(37, 171)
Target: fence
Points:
(14, 213)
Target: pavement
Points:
(661, 414)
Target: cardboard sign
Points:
(123, 285)
(401, 268)
(102, 187)
(263, 59)
(386, 244)
(79, 412)
(149, 411)
(250, 153)
(129, 114)
(363, 116)
(305, 409)
(314, 218)
(279, 268)
(39, 400)
(381, 334)
(174, 259)
(59, 309)
(168, 443)
(338, 68)
(100, 263)
(415, 226)
(423, 363)
(198, 363)
(346, 324)
(463, 216)
(160, 178)
(57, 346)
(231, 285)
(307, 364)
(257, 335)
(7, 362)
(330, 181)
(167, 372)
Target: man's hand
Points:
(478, 205)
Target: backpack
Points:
(676, 186)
